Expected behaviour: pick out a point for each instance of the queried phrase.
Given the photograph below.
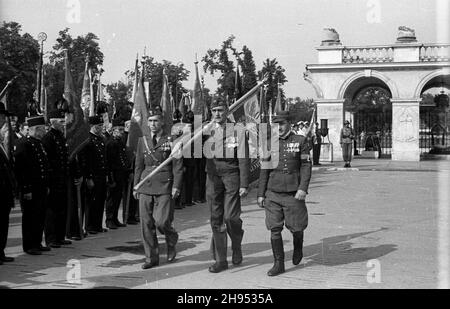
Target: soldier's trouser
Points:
(56, 216)
(222, 194)
(4, 222)
(347, 151)
(316, 153)
(284, 209)
(73, 216)
(200, 179)
(156, 212)
(115, 195)
(33, 218)
(188, 183)
(132, 208)
(95, 204)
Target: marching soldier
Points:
(56, 147)
(32, 170)
(7, 184)
(156, 196)
(93, 165)
(227, 181)
(119, 169)
(282, 191)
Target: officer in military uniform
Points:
(7, 184)
(119, 170)
(227, 172)
(93, 165)
(56, 147)
(283, 186)
(32, 171)
(156, 196)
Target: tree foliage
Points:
(119, 96)
(276, 76)
(301, 109)
(19, 56)
(77, 49)
(176, 74)
(223, 61)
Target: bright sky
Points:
(288, 30)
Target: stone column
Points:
(333, 111)
(405, 130)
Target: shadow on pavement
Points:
(331, 251)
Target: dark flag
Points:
(278, 107)
(139, 116)
(198, 101)
(166, 104)
(77, 130)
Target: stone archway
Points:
(434, 132)
(367, 104)
(404, 67)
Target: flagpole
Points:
(232, 108)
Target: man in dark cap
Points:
(93, 165)
(55, 145)
(7, 183)
(32, 170)
(227, 181)
(283, 185)
(119, 170)
(156, 196)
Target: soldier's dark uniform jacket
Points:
(32, 164)
(293, 171)
(117, 157)
(93, 157)
(55, 145)
(148, 159)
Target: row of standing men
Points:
(64, 198)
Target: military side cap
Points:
(281, 116)
(219, 102)
(56, 113)
(94, 120)
(154, 112)
(118, 122)
(347, 122)
(36, 121)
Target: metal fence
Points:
(434, 137)
(373, 132)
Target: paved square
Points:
(377, 225)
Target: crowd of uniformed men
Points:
(62, 198)
(101, 174)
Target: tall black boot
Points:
(298, 248)
(278, 255)
(219, 247)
